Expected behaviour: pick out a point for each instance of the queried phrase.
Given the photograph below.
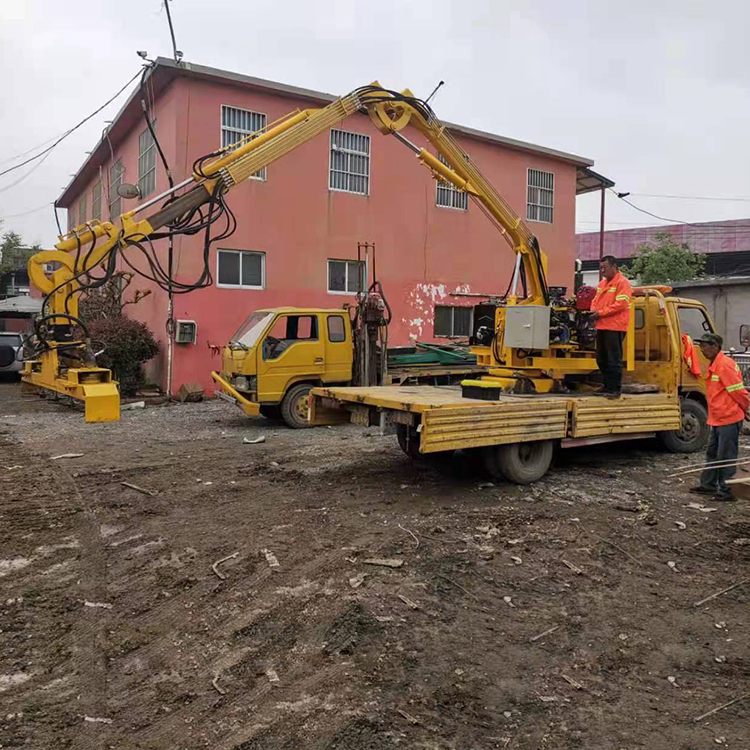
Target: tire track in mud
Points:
(242, 657)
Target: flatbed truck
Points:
(517, 433)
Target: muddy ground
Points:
(526, 618)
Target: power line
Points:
(73, 129)
(26, 213)
(692, 197)
(622, 197)
(24, 176)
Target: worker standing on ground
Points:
(611, 311)
(728, 402)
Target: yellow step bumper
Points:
(251, 408)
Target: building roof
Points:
(166, 70)
(731, 236)
(712, 282)
(24, 304)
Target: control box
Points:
(527, 326)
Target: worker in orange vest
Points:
(611, 311)
(728, 402)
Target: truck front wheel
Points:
(693, 435)
(521, 463)
(294, 406)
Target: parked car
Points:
(10, 345)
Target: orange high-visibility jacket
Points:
(728, 399)
(691, 355)
(612, 302)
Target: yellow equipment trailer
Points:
(518, 433)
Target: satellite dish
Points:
(126, 190)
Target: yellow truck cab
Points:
(277, 355)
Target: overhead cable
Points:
(72, 130)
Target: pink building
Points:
(300, 221)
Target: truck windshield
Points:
(249, 332)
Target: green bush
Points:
(127, 345)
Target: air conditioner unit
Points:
(186, 332)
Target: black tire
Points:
(521, 463)
(408, 441)
(270, 411)
(7, 356)
(294, 406)
(695, 430)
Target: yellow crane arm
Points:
(66, 366)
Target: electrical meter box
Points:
(186, 332)
(527, 326)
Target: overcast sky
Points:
(656, 92)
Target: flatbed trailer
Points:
(516, 434)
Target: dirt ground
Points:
(555, 616)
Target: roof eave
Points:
(201, 71)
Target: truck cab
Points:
(659, 325)
(277, 355)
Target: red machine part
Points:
(584, 297)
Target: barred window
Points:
(350, 162)
(452, 321)
(540, 195)
(448, 195)
(72, 216)
(82, 208)
(96, 201)
(146, 162)
(115, 180)
(238, 124)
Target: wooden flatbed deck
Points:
(447, 421)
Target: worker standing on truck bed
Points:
(611, 311)
(728, 401)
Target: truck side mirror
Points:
(745, 336)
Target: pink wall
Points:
(709, 237)
(424, 252)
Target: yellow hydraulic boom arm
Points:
(66, 365)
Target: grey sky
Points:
(655, 92)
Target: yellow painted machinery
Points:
(63, 362)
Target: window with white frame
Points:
(350, 162)
(96, 201)
(452, 320)
(346, 276)
(115, 180)
(82, 208)
(241, 269)
(146, 162)
(237, 124)
(448, 195)
(540, 196)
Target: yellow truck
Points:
(278, 355)
(518, 433)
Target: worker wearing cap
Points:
(728, 401)
(611, 312)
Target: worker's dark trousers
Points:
(609, 358)
(723, 445)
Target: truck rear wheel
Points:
(521, 463)
(693, 435)
(408, 441)
(294, 406)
